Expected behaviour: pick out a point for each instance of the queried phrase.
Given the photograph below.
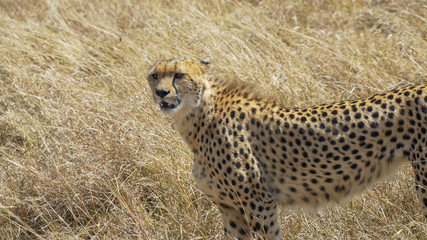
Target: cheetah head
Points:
(177, 84)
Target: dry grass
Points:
(85, 154)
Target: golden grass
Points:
(85, 154)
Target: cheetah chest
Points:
(203, 181)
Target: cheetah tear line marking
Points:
(252, 154)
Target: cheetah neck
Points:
(190, 124)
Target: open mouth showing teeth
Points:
(169, 106)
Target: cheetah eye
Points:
(154, 76)
(179, 75)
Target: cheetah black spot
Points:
(375, 115)
(242, 231)
(358, 116)
(375, 134)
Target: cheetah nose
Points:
(162, 92)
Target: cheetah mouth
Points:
(165, 106)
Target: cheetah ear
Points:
(206, 64)
(207, 60)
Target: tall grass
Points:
(84, 154)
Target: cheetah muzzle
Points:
(252, 153)
(165, 106)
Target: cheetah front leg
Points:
(420, 170)
(235, 224)
(260, 222)
(264, 222)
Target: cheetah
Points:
(253, 154)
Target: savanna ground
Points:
(84, 154)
